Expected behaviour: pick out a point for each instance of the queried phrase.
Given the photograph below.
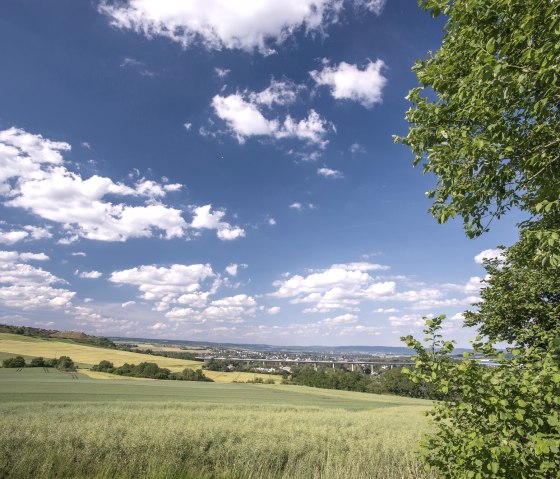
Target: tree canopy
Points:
(485, 118)
(485, 122)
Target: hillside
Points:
(87, 355)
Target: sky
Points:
(223, 170)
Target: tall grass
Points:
(198, 440)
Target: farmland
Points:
(89, 427)
(86, 356)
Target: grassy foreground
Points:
(86, 356)
(55, 426)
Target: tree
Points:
(65, 363)
(485, 122)
(38, 362)
(16, 362)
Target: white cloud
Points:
(11, 237)
(243, 117)
(38, 232)
(46, 188)
(243, 114)
(406, 320)
(89, 274)
(33, 257)
(271, 221)
(278, 92)
(222, 72)
(158, 327)
(329, 173)
(273, 310)
(221, 24)
(188, 126)
(78, 253)
(296, 206)
(26, 287)
(234, 268)
(127, 304)
(349, 82)
(375, 6)
(356, 148)
(205, 218)
(386, 310)
(231, 309)
(33, 177)
(342, 319)
(338, 287)
(488, 254)
(166, 286)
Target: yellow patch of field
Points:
(99, 375)
(240, 377)
(84, 355)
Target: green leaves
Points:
(490, 134)
(493, 422)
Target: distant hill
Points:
(267, 348)
(75, 336)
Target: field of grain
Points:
(57, 426)
(86, 356)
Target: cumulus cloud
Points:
(33, 177)
(329, 173)
(166, 286)
(234, 268)
(89, 274)
(350, 82)
(340, 286)
(235, 24)
(278, 92)
(11, 237)
(158, 326)
(205, 218)
(244, 116)
(27, 287)
(489, 254)
(33, 257)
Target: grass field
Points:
(55, 426)
(86, 356)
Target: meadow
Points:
(56, 426)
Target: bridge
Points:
(314, 362)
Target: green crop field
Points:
(54, 425)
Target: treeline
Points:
(151, 371)
(388, 381)
(228, 365)
(53, 333)
(165, 354)
(63, 363)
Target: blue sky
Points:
(222, 170)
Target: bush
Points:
(38, 362)
(17, 362)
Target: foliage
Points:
(15, 362)
(494, 422)
(388, 381)
(38, 362)
(151, 371)
(64, 363)
(485, 120)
